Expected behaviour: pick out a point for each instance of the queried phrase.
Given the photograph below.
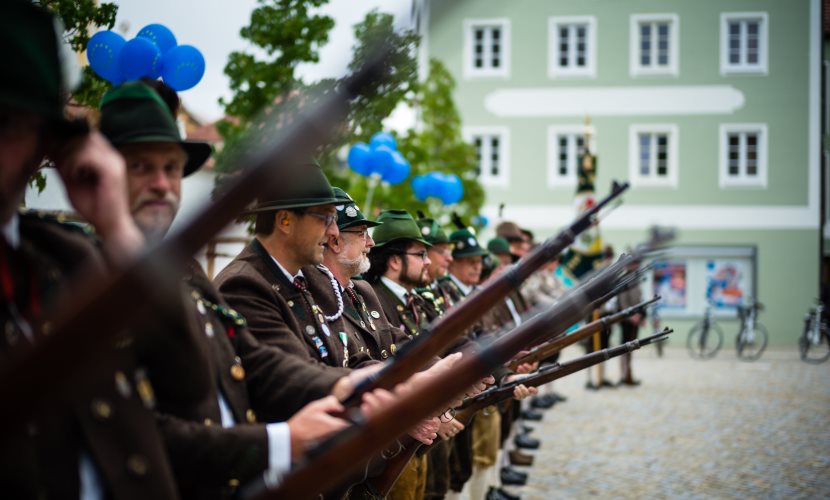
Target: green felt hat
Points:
(498, 246)
(32, 76)
(348, 213)
(304, 186)
(135, 113)
(465, 245)
(397, 225)
(432, 232)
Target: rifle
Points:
(561, 341)
(550, 373)
(95, 312)
(339, 456)
(416, 353)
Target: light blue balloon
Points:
(160, 35)
(419, 187)
(183, 67)
(454, 190)
(139, 58)
(384, 139)
(398, 171)
(103, 53)
(358, 159)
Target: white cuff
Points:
(279, 449)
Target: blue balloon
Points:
(182, 67)
(381, 160)
(419, 187)
(139, 58)
(384, 139)
(481, 220)
(399, 170)
(359, 155)
(160, 35)
(103, 52)
(454, 190)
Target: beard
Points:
(355, 266)
(155, 221)
(409, 279)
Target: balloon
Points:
(419, 186)
(481, 220)
(160, 35)
(359, 155)
(453, 191)
(139, 58)
(381, 160)
(103, 51)
(182, 67)
(399, 170)
(384, 139)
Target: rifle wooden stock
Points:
(416, 353)
(561, 341)
(92, 316)
(337, 458)
(554, 372)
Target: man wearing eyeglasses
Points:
(399, 265)
(266, 282)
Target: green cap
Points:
(31, 73)
(135, 113)
(466, 245)
(432, 232)
(397, 225)
(306, 186)
(498, 246)
(348, 213)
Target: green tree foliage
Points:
(285, 33)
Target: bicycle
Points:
(752, 337)
(706, 336)
(814, 343)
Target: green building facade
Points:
(710, 109)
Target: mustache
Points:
(169, 198)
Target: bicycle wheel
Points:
(750, 347)
(703, 344)
(814, 352)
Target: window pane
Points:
(663, 44)
(645, 154)
(564, 46)
(495, 34)
(662, 155)
(580, 46)
(563, 155)
(734, 42)
(752, 155)
(645, 45)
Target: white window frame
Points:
(763, 43)
(487, 179)
(470, 71)
(555, 179)
(638, 180)
(728, 181)
(589, 70)
(635, 68)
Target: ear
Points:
(394, 263)
(283, 221)
(334, 244)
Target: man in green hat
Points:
(97, 437)
(232, 380)
(266, 283)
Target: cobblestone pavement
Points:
(718, 428)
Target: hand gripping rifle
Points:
(550, 373)
(338, 457)
(100, 308)
(561, 341)
(415, 354)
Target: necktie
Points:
(300, 284)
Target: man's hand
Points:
(95, 177)
(426, 431)
(478, 387)
(527, 367)
(447, 430)
(344, 387)
(314, 422)
(520, 392)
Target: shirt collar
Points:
(399, 291)
(11, 231)
(285, 272)
(466, 290)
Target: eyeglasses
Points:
(422, 254)
(363, 233)
(328, 219)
